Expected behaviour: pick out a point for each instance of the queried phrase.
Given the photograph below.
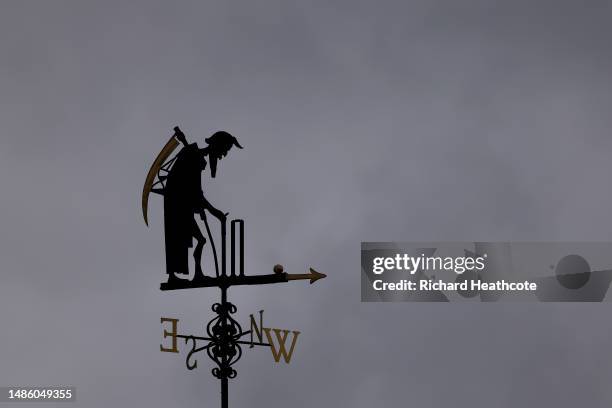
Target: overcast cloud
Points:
(360, 121)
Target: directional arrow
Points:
(313, 276)
(226, 281)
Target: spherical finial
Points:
(278, 268)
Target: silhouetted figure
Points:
(183, 198)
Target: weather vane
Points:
(179, 181)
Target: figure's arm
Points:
(206, 205)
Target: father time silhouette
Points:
(184, 198)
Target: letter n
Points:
(256, 329)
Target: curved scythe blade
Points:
(159, 161)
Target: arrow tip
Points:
(315, 276)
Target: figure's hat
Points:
(222, 138)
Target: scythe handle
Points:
(180, 136)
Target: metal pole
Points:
(224, 393)
(224, 384)
(224, 381)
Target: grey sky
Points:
(361, 121)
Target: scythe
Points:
(153, 171)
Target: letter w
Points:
(282, 351)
